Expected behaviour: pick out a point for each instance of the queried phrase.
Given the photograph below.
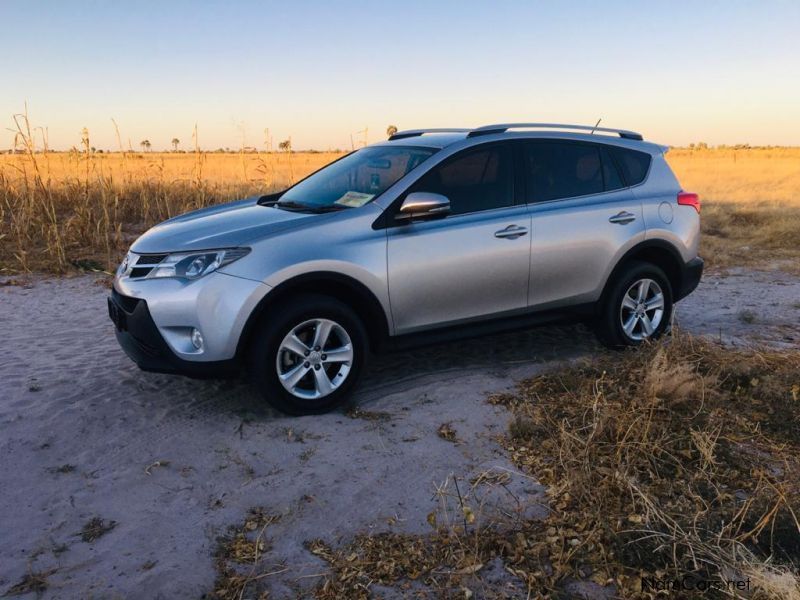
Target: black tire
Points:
(609, 325)
(262, 357)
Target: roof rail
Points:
(416, 132)
(503, 127)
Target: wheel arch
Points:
(342, 287)
(657, 252)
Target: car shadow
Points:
(495, 353)
(392, 372)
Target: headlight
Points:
(123, 267)
(192, 265)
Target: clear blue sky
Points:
(714, 71)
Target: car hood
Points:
(221, 226)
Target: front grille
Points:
(150, 259)
(140, 272)
(144, 264)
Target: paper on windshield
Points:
(354, 199)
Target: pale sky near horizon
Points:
(679, 72)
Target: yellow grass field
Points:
(65, 211)
(231, 169)
(751, 204)
(745, 176)
(62, 211)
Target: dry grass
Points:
(679, 461)
(445, 563)
(740, 176)
(96, 528)
(475, 527)
(751, 235)
(682, 458)
(81, 210)
(751, 204)
(239, 558)
(31, 583)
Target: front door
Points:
(473, 263)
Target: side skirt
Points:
(572, 314)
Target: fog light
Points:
(197, 339)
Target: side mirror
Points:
(423, 205)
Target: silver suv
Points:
(431, 235)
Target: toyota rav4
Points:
(433, 234)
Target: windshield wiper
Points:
(292, 205)
(300, 207)
(330, 208)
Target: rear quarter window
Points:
(633, 164)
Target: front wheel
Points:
(308, 355)
(637, 307)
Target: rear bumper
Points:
(690, 278)
(139, 337)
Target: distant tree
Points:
(143, 144)
(391, 130)
(147, 145)
(175, 142)
(285, 145)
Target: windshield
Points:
(355, 179)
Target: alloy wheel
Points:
(314, 358)
(642, 309)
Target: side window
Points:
(634, 164)
(473, 181)
(610, 173)
(563, 170)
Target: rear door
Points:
(583, 218)
(475, 262)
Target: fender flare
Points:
(350, 290)
(673, 267)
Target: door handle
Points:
(622, 218)
(511, 232)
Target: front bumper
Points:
(140, 339)
(690, 278)
(155, 319)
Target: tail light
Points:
(689, 199)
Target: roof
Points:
(440, 138)
(433, 140)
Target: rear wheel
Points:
(637, 307)
(308, 355)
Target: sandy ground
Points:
(82, 431)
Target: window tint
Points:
(634, 164)
(611, 176)
(563, 170)
(478, 180)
